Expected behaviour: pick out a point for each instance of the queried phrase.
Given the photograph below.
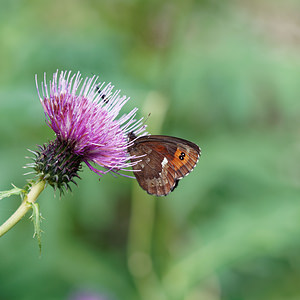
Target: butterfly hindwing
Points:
(148, 171)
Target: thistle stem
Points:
(30, 198)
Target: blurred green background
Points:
(224, 74)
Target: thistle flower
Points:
(83, 117)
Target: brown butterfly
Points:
(162, 161)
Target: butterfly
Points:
(161, 161)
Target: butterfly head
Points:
(131, 136)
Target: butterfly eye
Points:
(181, 156)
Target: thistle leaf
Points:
(36, 218)
(14, 191)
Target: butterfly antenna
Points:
(143, 124)
(146, 119)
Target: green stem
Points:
(30, 198)
(142, 220)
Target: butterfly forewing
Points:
(185, 159)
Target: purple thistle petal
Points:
(79, 116)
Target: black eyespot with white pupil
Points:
(181, 156)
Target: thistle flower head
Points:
(83, 114)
